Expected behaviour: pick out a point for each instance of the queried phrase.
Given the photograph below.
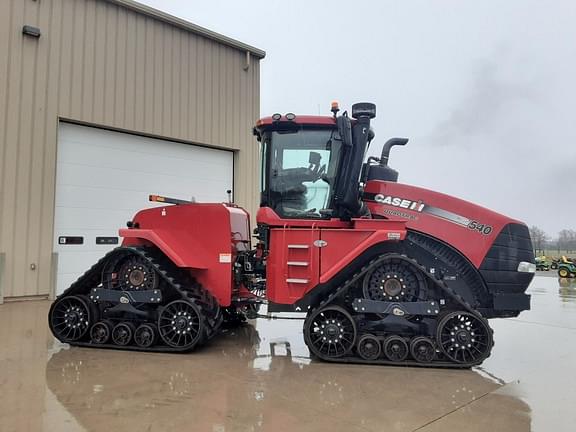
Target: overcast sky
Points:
(486, 91)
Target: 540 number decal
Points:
(481, 228)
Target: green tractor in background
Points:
(566, 268)
(542, 264)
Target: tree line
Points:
(566, 240)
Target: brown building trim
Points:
(178, 22)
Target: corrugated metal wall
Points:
(101, 63)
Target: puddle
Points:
(260, 377)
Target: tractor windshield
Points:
(299, 169)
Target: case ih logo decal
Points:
(400, 202)
(420, 207)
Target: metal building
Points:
(101, 103)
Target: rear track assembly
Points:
(136, 299)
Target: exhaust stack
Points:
(388, 146)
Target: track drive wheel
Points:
(70, 318)
(136, 273)
(330, 332)
(464, 338)
(394, 280)
(181, 325)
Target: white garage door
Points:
(104, 177)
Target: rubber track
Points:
(439, 284)
(172, 275)
(447, 255)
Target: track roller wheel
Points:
(464, 338)
(369, 347)
(422, 349)
(330, 332)
(395, 348)
(145, 335)
(122, 333)
(181, 325)
(70, 318)
(100, 332)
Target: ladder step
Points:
(297, 281)
(297, 263)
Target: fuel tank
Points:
(204, 238)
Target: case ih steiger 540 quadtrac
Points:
(387, 273)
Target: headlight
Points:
(526, 267)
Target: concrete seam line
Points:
(456, 409)
(541, 324)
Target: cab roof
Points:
(307, 120)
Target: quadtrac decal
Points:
(420, 207)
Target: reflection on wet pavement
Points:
(260, 378)
(567, 290)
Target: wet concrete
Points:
(260, 378)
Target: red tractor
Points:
(387, 273)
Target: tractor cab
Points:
(311, 165)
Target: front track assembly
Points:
(394, 312)
(135, 298)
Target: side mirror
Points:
(363, 109)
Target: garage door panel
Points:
(104, 177)
(76, 260)
(142, 162)
(121, 199)
(145, 182)
(173, 156)
(78, 219)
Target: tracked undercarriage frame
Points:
(435, 328)
(136, 299)
(391, 311)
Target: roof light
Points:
(290, 116)
(276, 117)
(335, 108)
